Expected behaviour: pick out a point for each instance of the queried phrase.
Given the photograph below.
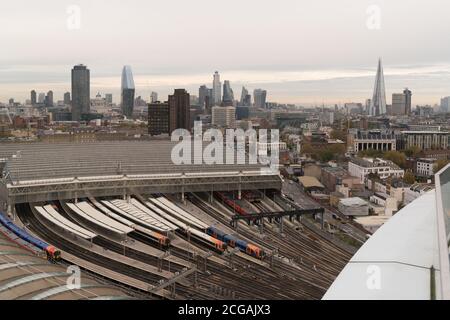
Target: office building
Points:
(49, 99)
(127, 92)
(398, 104)
(158, 118)
(179, 110)
(153, 97)
(401, 103)
(245, 98)
(217, 89)
(33, 97)
(445, 104)
(361, 168)
(425, 140)
(203, 92)
(80, 91)
(228, 95)
(242, 112)
(67, 98)
(109, 98)
(224, 116)
(259, 98)
(41, 98)
(408, 96)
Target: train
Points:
(52, 253)
(193, 234)
(139, 232)
(234, 242)
(233, 205)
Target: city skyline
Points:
(355, 85)
(301, 52)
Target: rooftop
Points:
(31, 161)
(374, 162)
(354, 201)
(310, 182)
(425, 132)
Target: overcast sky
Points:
(300, 51)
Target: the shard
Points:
(378, 104)
(127, 92)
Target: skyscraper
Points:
(109, 98)
(41, 98)
(408, 95)
(217, 89)
(67, 98)
(401, 103)
(244, 95)
(378, 104)
(398, 104)
(445, 104)
(179, 110)
(49, 99)
(203, 91)
(153, 97)
(127, 91)
(259, 98)
(81, 93)
(33, 97)
(228, 95)
(158, 118)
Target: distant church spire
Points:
(378, 104)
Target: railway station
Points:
(124, 213)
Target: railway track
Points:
(303, 268)
(38, 228)
(313, 266)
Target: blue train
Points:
(234, 242)
(52, 253)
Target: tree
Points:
(372, 153)
(307, 149)
(326, 155)
(338, 134)
(409, 177)
(396, 157)
(413, 151)
(439, 165)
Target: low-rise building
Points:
(361, 168)
(310, 184)
(424, 167)
(354, 207)
(331, 177)
(426, 139)
(388, 203)
(372, 223)
(373, 139)
(416, 190)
